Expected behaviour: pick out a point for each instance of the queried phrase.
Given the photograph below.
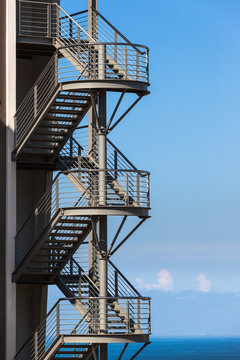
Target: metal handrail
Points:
(83, 188)
(117, 31)
(63, 319)
(76, 68)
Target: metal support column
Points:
(103, 221)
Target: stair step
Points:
(68, 352)
(53, 126)
(75, 345)
(65, 235)
(74, 221)
(55, 248)
(62, 111)
(117, 327)
(47, 261)
(54, 120)
(67, 228)
(37, 151)
(116, 322)
(37, 146)
(43, 267)
(57, 139)
(61, 242)
(51, 132)
(74, 97)
(70, 104)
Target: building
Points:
(63, 180)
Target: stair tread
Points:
(70, 104)
(74, 221)
(55, 248)
(37, 146)
(61, 241)
(67, 228)
(62, 111)
(54, 120)
(53, 126)
(66, 235)
(74, 97)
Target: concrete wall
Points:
(2, 179)
(31, 299)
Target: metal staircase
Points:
(94, 181)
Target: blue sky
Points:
(187, 134)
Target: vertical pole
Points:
(101, 62)
(138, 189)
(126, 61)
(93, 139)
(115, 47)
(128, 317)
(103, 221)
(138, 313)
(115, 164)
(137, 66)
(127, 189)
(58, 320)
(57, 193)
(92, 18)
(116, 283)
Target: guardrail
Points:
(88, 188)
(70, 63)
(64, 319)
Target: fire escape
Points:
(64, 241)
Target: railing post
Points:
(56, 69)
(79, 283)
(36, 345)
(148, 191)
(115, 47)
(137, 66)
(35, 101)
(138, 189)
(57, 193)
(115, 164)
(78, 35)
(149, 317)
(116, 283)
(138, 313)
(128, 318)
(147, 68)
(70, 28)
(101, 62)
(127, 189)
(126, 61)
(58, 320)
(49, 20)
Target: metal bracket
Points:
(124, 114)
(140, 350)
(128, 236)
(123, 351)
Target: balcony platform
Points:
(106, 339)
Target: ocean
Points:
(204, 348)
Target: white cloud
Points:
(164, 282)
(204, 285)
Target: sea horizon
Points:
(207, 347)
